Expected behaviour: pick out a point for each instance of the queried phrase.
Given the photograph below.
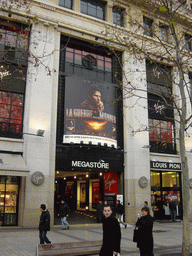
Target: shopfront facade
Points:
(165, 187)
(89, 151)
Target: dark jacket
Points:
(173, 206)
(145, 241)
(44, 223)
(120, 209)
(111, 236)
(99, 212)
(64, 210)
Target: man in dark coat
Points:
(173, 209)
(99, 211)
(64, 213)
(145, 240)
(111, 233)
(44, 225)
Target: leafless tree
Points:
(164, 40)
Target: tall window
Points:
(93, 8)
(66, 3)
(13, 56)
(164, 33)
(160, 111)
(147, 26)
(188, 39)
(118, 16)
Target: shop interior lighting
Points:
(87, 176)
(75, 177)
(100, 173)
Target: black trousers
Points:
(43, 237)
(143, 253)
(106, 251)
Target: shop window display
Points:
(9, 187)
(165, 187)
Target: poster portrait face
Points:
(89, 111)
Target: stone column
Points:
(137, 158)
(40, 113)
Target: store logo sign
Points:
(4, 73)
(165, 165)
(159, 107)
(96, 165)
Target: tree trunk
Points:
(185, 172)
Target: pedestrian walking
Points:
(111, 233)
(120, 212)
(145, 236)
(99, 211)
(44, 225)
(64, 213)
(147, 205)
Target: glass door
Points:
(165, 186)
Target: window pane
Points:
(164, 33)
(147, 26)
(5, 97)
(11, 114)
(68, 4)
(170, 179)
(77, 59)
(84, 7)
(100, 14)
(118, 16)
(62, 2)
(93, 8)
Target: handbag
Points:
(135, 235)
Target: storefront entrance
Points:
(164, 187)
(9, 190)
(82, 192)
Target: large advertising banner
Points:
(90, 112)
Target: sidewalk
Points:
(16, 241)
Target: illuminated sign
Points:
(165, 165)
(84, 164)
(90, 112)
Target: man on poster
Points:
(93, 102)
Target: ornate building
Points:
(68, 126)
